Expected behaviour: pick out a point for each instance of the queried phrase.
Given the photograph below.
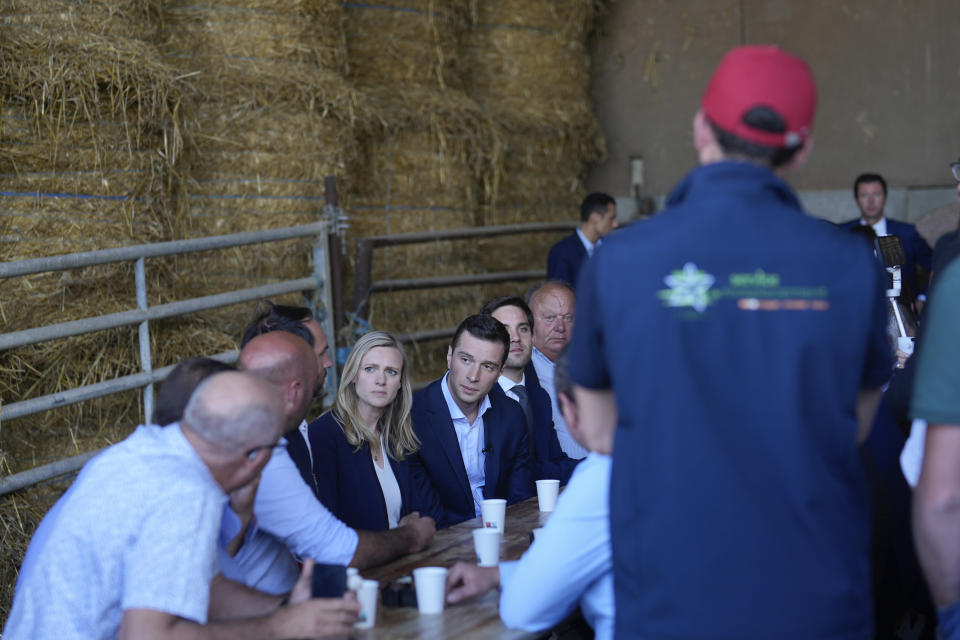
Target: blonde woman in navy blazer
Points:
(367, 437)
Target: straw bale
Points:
(236, 47)
(127, 18)
(528, 74)
(404, 42)
(87, 125)
(573, 19)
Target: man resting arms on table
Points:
(570, 562)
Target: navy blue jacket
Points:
(300, 455)
(565, 259)
(438, 466)
(549, 459)
(915, 248)
(347, 483)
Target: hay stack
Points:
(526, 63)
(88, 137)
(422, 158)
(404, 42)
(266, 118)
(238, 46)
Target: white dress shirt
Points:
(507, 385)
(304, 430)
(911, 458)
(589, 246)
(879, 227)
(570, 562)
(470, 438)
(388, 487)
(287, 509)
(545, 368)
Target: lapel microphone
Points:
(486, 450)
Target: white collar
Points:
(589, 246)
(879, 227)
(454, 408)
(507, 384)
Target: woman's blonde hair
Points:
(395, 423)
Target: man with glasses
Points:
(130, 550)
(553, 306)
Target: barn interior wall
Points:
(887, 73)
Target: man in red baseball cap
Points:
(738, 506)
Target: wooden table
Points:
(477, 619)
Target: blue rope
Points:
(79, 196)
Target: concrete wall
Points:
(888, 73)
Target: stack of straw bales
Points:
(528, 66)
(266, 115)
(422, 149)
(87, 143)
(402, 42)
(88, 138)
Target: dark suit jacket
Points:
(565, 259)
(549, 459)
(347, 483)
(297, 448)
(438, 466)
(915, 249)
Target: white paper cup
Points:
(536, 532)
(547, 491)
(493, 512)
(354, 581)
(368, 594)
(487, 544)
(431, 586)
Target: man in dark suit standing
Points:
(598, 215)
(870, 191)
(473, 444)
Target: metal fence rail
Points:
(364, 285)
(316, 284)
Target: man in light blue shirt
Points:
(570, 563)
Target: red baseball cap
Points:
(753, 76)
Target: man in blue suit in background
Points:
(473, 444)
(598, 215)
(870, 191)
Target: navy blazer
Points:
(915, 249)
(438, 466)
(346, 481)
(551, 461)
(565, 259)
(297, 448)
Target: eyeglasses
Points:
(252, 453)
(955, 168)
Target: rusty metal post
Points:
(362, 275)
(335, 252)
